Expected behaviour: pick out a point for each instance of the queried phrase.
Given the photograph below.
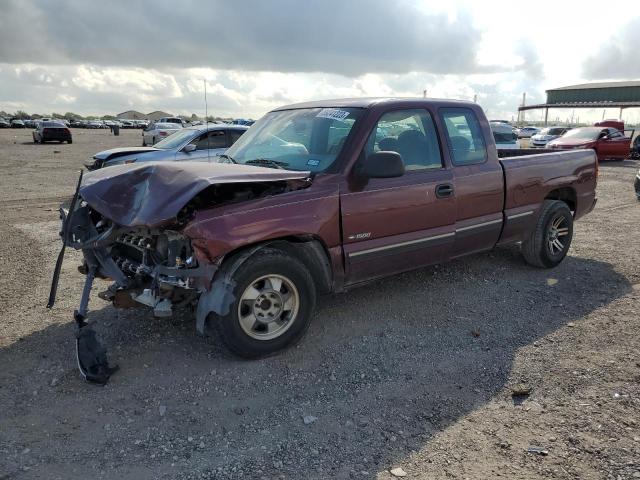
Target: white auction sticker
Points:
(333, 113)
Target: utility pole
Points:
(424, 93)
(524, 100)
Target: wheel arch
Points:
(310, 250)
(566, 195)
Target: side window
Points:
(412, 134)
(613, 133)
(464, 136)
(235, 135)
(216, 139)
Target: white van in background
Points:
(504, 136)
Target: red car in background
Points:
(608, 142)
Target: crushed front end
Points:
(148, 267)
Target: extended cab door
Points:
(391, 225)
(478, 180)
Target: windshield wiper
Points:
(228, 157)
(267, 162)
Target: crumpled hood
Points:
(151, 194)
(117, 152)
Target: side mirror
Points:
(189, 148)
(382, 165)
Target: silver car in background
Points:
(527, 132)
(158, 131)
(540, 139)
(201, 143)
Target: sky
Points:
(97, 57)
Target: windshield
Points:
(175, 140)
(302, 139)
(587, 133)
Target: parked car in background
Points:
(504, 136)
(50, 131)
(616, 123)
(17, 123)
(94, 124)
(4, 123)
(200, 143)
(544, 136)
(127, 124)
(526, 132)
(608, 142)
(29, 123)
(635, 148)
(170, 120)
(159, 131)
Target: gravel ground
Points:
(414, 374)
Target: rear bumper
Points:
(56, 136)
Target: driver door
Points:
(616, 145)
(392, 225)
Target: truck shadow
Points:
(380, 372)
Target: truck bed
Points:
(533, 177)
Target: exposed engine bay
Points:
(142, 251)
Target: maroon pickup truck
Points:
(315, 198)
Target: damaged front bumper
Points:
(155, 268)
(148, 267)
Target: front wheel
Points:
(274, 297)
(549, 242)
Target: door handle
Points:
(444, 190)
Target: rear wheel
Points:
(549, 242)
(274, 297)
(69, 141)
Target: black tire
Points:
(154, 141)
(264, 263)
(555, 223)
(69, 142)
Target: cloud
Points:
(617, 57)
(332, 36)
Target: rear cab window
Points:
(464, 136)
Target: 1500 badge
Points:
(360, 236)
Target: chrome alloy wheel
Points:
(557, 230)
(268, 307)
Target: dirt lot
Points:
(414, 372)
